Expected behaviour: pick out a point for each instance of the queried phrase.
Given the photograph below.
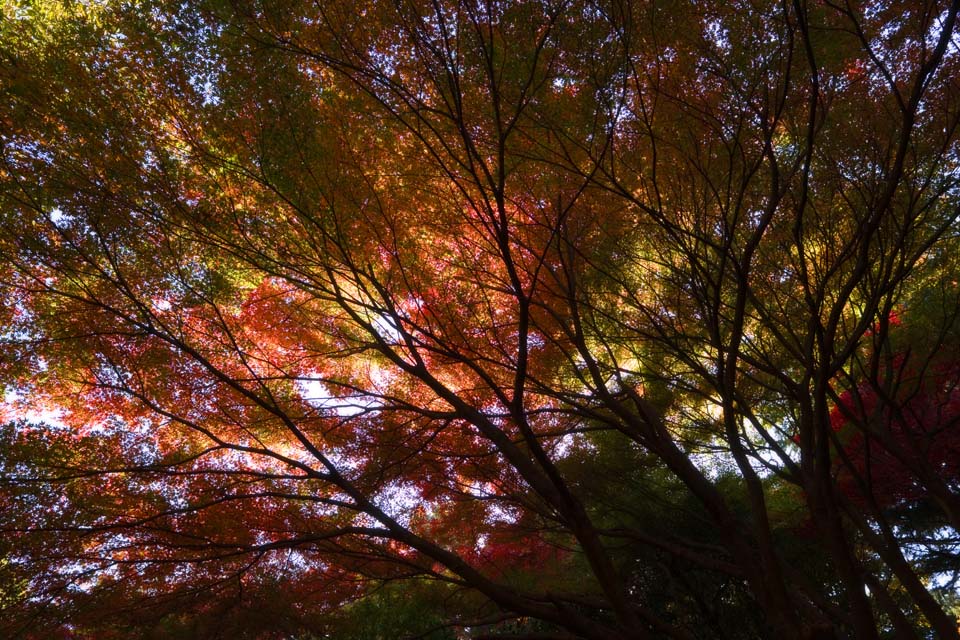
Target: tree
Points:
(537, 314)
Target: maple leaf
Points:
(538, 319)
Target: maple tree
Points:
(478, 319)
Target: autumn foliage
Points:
(901, 422)
(457, 319)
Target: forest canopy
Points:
(539, 319)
